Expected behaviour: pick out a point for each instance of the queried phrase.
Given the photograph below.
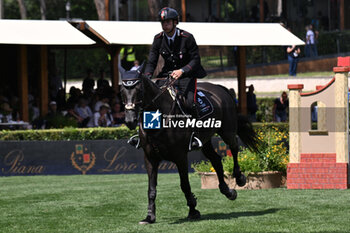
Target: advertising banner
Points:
(81, 157)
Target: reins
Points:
(165, 87)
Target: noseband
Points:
(131, 83)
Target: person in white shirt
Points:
(136, 65)
(310, 46)
(101, 118)
(84, 111)
(103, 100)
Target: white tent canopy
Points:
(217, 34)
(41, 32)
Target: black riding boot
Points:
(134, 141)
(195, 142)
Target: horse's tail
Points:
(247, 134)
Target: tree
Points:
(100, 7)
(175, 4)
(22, 9)
(1, 9)
(43, 9)
(154, 6)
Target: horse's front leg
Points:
(152, 171)
(182, 167)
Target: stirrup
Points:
(195, 143)
(134, 141)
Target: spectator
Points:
(61, 100)
(101, 118)
(34, 111)
(52, 115)
(5, 113)
(293, 53)
(280, 108)
(102, 83)
(83, 111)
(72, 115)
(233, 94)
(74, 95)
(103, 100)
(88, 83)
(117, 114)
(293, 58)
(128, 57)
(310, 47)
(136, 65)
(251, 104)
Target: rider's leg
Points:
(189, 91)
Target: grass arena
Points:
(115, 203)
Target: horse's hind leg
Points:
(182, 167)
(231, 140)
(215, 160)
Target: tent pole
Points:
(23, 82)
(44, 86)
(183, 8)
(241, 76)
(65, 71)
(114, 52)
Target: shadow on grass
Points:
(217, 216)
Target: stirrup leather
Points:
(200, 144)
(131, 141)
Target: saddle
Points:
(203, 104)
(204, 107)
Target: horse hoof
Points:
(193, 215)
(233, 195)
(147, 220)
(241, 181)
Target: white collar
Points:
(173, 37)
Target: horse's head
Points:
(132, 95)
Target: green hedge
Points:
(265, 107)
(68, 134)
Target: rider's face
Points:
(168, 26)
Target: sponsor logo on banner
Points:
(81, 159)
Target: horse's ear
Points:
(141, 69)
(121, 70)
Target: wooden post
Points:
(218, 11)
(294, 122)
(23, 83)
(342, 15)
(183, 8)
(342, 114)
(261, 8)
(241, 76)
(114, 52)
(106, 9)
(44, 81)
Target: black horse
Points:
(140, 94)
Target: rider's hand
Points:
(176, 74)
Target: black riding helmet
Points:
(168, 13)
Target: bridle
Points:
(131, 83)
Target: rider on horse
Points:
(181, 57)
